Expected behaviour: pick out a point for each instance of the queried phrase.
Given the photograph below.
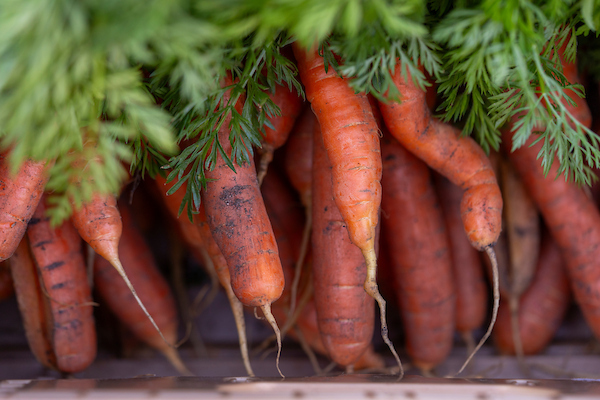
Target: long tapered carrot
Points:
(298, 166)
(240, 226)
(471, 289)
(199, 237)
(345, 312)
(32, 306)
(152, 288)
(351, 139)
(20, 194)
(61, 267)
(420, 253)
(459, 159)
(290, 105)
(542, 307)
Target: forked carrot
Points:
(58, 255)
(240, 226)
(351, 139)
(138, 262)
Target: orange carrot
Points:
(290, 105)
(240, 225)
(32, 305)
(199, 237)
(61, 267)
(6, 284)
(420, 253)
(542, 307)
(20, 194)
(351, 139)
(345, 312)
(471, 289)
(152, 288)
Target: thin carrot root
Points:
(496, 294)
(467, 337)
(308, 351)
(173, 356)
(266, 309)
(373, 291)
(300, 263)
(238, 314)
(266, 156)
(513, 303)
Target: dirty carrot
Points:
(240, 225)
(351, 139)
(63, 278)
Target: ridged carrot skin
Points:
(35, 313)
(471, 289)
(542, 307)
(345, 312)
(59, 258)
(19, 197)
(154, 291)
(240, 226)
(457, 157)
(420, 254)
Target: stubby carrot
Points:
(471, 288)
(345, 312)
(240, 226)
(63, 277)
(542, 307)
(197, 234)
(351, 139)
(290, 105)
(34, 310)
(420, 254)
(152, 288)
(20, 194)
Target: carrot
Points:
(152, 288)
(344, 310)
(416, 236)
(298, 166)
(200, 238)
(62, 271)
(6, 283)
(32, 305)
(290, 105)
(460, 160)
(351, 139)
(542, 307)
(240, 225)
(471, 289)
(20, 194)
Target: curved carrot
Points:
(240, 226)
(290, 105)
(351, 139)
(417, 238)
(61, 267)
(542, 307)
(20, 194)
(32, 305)
(345, 312)
(471, 288)
(152, 288)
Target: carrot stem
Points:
(496, 294)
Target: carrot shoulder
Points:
(59, 259)
(19, 197)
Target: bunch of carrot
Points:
(363, 173)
